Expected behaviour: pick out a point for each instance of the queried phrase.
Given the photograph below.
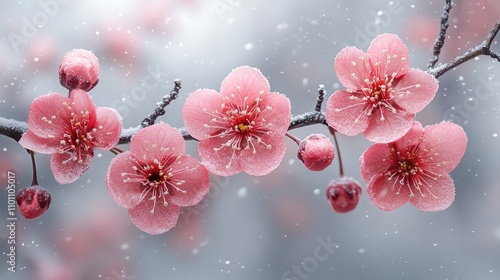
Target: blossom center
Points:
(242, 127)
(408, 168)
(242, 123)
(77, 138)
(157, 177)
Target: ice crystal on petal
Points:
(70, 129)
(155, 178)
(241, 128)
(382, 93)
(415, 168)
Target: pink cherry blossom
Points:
(316, 151)
(382, 93)
(415, 168)
(155, 178)
(241, 128)
(79, 69)
(70, 129)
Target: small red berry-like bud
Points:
(316, 152)
(343, 194)
(33, 201)
(79, 69)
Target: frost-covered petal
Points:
(157, 141)
(277, 111)
(352, 67)
(67, 170)
(198, 110)
(387, 194)
(83, 104)
(195, 182)
(394, 125)
(446, 143)
(124, 193)
(415, 90)
(375, 161)
(223, 162)
(389, 56)
(411, 138)
(108, 128)
(264, 160)
(46, 117)
(244, 81)
(438, 197)
(162, 220)
(31, 141)
(345, 114)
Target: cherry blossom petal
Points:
(264, 160)
(162, 220)
(394, 126)
(195, 183)
(346, 115)
(82, 103)
(45, 117)
(108, 126)
(412, 137)
(415, 91)
(389, 56)
(446, 143)
(244, 82)
(125, 194)
(198, 110)
(223, 162)
(31, 141)
(384, 194)
(148, 142)
(67, 171)
(375, 161)
(352, 67)
(438, 197)
(279, 114)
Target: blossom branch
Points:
(438, 45)
(15, 129)
(160, 106)
(12, 128)
(321, 95)
(482, 49)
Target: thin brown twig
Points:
(482, 49)
(439, 43)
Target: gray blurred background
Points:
(271, 227)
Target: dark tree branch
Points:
(321, 95)
(12, 128)
(307, 119)
(482, 49)
(438, 45)
(160, 106)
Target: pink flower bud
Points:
(343, 194)
(33, 201)
(316, 152)
(79, 69)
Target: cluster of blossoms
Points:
(242, 128)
